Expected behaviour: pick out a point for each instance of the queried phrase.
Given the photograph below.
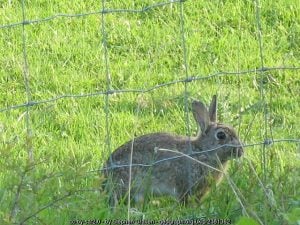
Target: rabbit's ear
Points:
(213, 109)
(201, 115)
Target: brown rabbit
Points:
(157, 171)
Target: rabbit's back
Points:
(144, 148)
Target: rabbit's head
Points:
(213, 137)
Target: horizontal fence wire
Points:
(179, 155)
(78, 15)
(145, 90)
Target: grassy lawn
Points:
(52, 150)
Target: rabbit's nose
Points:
(239, 148)
(240, 151)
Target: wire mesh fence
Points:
(261, 76)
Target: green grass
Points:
(69, 136)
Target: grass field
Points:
(51, 151)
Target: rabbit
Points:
(157, 171)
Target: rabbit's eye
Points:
(221, 135)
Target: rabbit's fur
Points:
(179, 176)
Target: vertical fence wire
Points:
(239, 79)
(27, 87)
(28, 139)
(262, 86)
(186, 94)
(108, 79)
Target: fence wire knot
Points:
(30, 103)
(268, 141)
(25, 22)
(109, 92)
(189, 79)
